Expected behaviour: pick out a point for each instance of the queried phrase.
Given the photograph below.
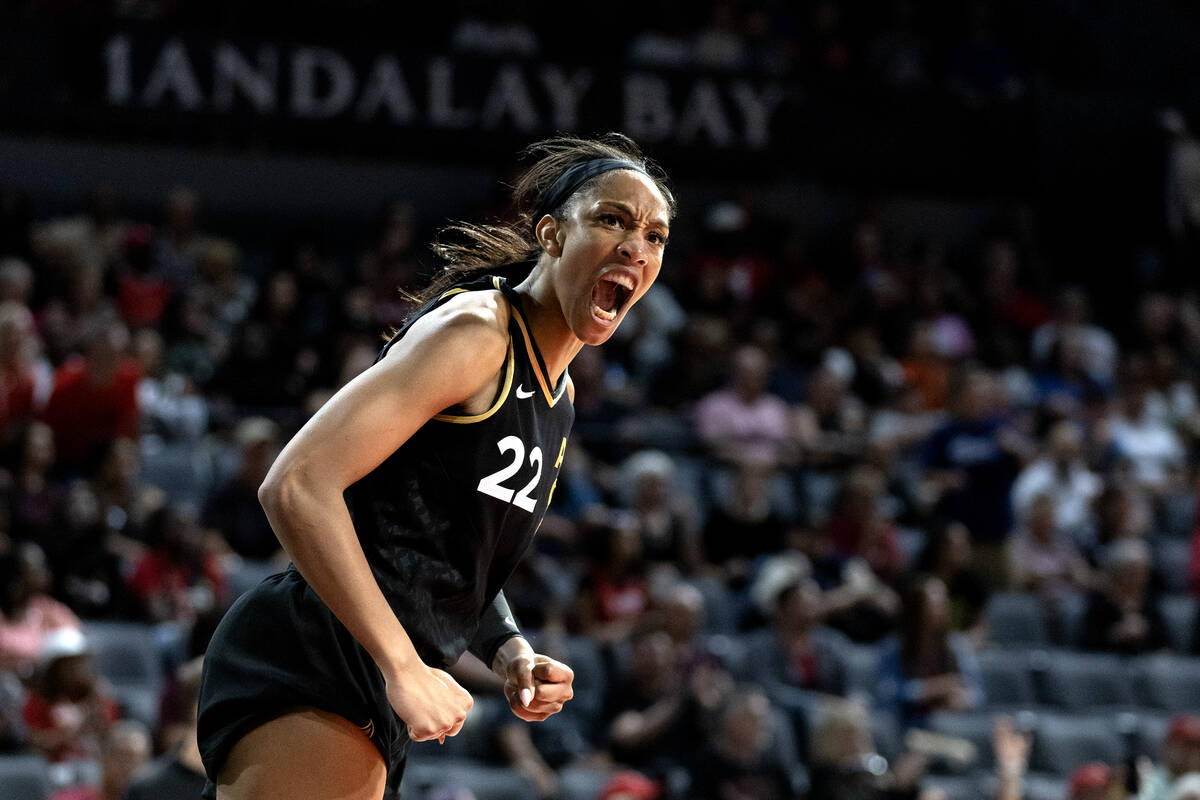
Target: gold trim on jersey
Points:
(537, 367)
(509, 371)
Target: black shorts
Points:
(278, 648)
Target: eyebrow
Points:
(628, 209)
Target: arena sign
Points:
(437, 93)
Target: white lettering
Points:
(173, 73)
(234, 74)
(509, 97)
(386, 88)
(120, 78)
(565, 92)
(307, 63)
(442, 112)
(703, 113)
(757, 111)
(648, 114)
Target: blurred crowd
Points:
(824, 497)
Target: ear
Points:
(549, 234)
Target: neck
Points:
(549, 329)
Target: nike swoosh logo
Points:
(509, 621)
(522, 394)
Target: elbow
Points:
(277, 492)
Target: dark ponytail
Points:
(467, 248)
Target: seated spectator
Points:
(175, 579)
(22, 373)
(655, 713)
(614, 593)
(1094, 781)
(233, 509)
(94, 397)
(142, 289)
(125, 750)
(666, 516)
(744, 756)
(178, 774)
(1062, 474)
(948, 555)
(35, 496)
(172, 409)
(1151, 444)
(90, 564)
(1122, 616)
(1044, 558)
(830, 427)
(69, 710)
(745, 525)
(846, 765)
(28, 614)
(14, 736)
(927, 667)
(1072, 316)
(1180, 755)
(859, 527)
(744, 422)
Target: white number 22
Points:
(490, 485)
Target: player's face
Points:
(612, 250)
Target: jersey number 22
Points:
(490, 485)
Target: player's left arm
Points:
(536, 686)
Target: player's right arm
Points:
(452, 356)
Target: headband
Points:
(575, 176)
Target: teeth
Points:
(620, 279)
(602, 314)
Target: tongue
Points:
(604, 295)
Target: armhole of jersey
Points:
(509, 370)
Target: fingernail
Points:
(526, 696)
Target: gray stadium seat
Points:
(1071, 608)
(582, 784)
(1016, 619)
(975, 727)
(24, 778)
(1085, 681)
(486, 782)
(1171, 683)
(1179, 616)
(1007, 679)
(1038, 786)
(956, 787)
(722, 610)
(1171, 557)
(1061, 742)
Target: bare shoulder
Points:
(474, 320)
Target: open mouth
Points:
(610, 294)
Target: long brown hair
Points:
(466, 248)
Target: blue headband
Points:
(575, 176)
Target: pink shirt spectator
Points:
(753, 431)
(22, 638)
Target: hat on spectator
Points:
(1093, 775)
(777, 574)
(1184, 728)
(628, 783)
(1186, 788)
(63, 643)
(256, 430)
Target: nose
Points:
(634, 249)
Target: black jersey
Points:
(447, 517)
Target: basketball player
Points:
(408, 499)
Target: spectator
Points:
(125, 750)
(745, 757)
(24, 376)
(172, 408)
(1180, 755)
(846, 765)
(1044, 557)
(68, 710)
(179, 241)
(1063, 476)
(1092, 781)
(745, 525)
(948, 555)
(859, 527)
(1152, 446)
(29, 616)
(973, 460)
(177, 774)
(142, 290)
(630, 785)
(666, 516)
(614, 593)
(744, 423)
(1122, 616)
(175, 579)
(927, 667)
(35, 496)
(1072, 317)
(233, 508)
(94, 398)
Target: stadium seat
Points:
(582, 784)
(975, 727)
(1171, 557)
(1039, 786)
(1007, 679)
(24, 778)
(956, 787)
(245, 574)
(184, 470)
(486, 782)
(1062, 742)
(1170, 683)
(862, 668)
(1070, 609)
(722, 608)
(1084, 681)
(130, 656)
(1016, 619)
(1179, 615)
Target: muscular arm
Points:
(450, 357)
